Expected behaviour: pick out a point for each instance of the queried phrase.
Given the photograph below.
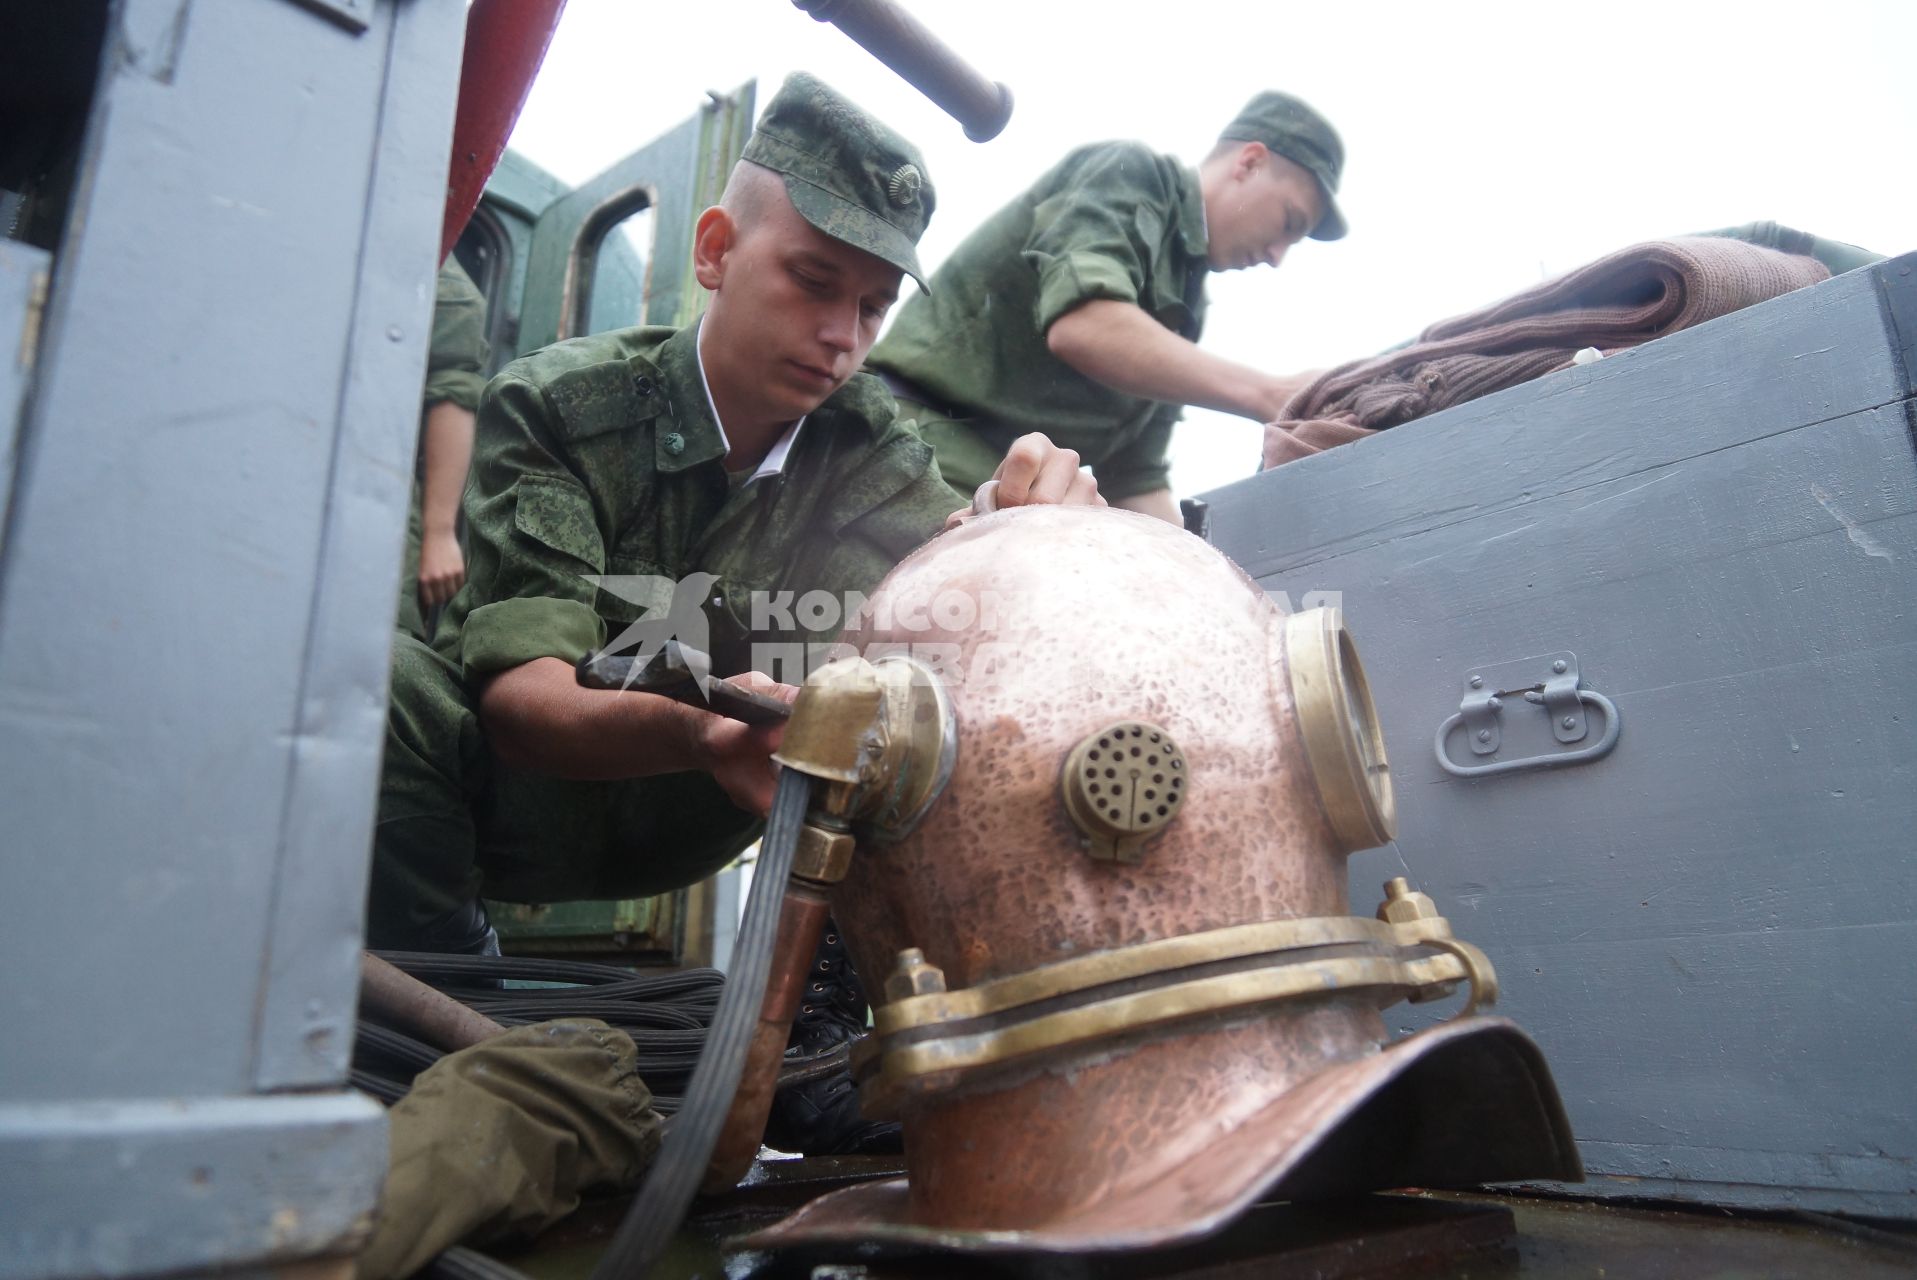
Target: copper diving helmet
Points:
(1123, 992)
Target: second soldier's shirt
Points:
(599, 458)
(457, 356)
(1112, 220)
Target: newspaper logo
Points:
(671, 609)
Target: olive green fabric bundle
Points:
(503, 1138)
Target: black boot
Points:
(464, 931)
(821, 1117)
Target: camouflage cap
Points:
(847, 174)
(1290, 127)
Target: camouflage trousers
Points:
(454, 823)
(412, 619)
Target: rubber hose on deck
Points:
(670, 1184)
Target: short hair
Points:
(750, 191)
(1284, 163)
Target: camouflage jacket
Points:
(456, 361)
(599, 458)
(1112, 220)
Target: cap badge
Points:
(903, 186)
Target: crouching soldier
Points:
(742, 457)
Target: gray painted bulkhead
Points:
(1709, 931)
(196, 591)
(24, 273)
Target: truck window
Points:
(485, 250)
(614, 256)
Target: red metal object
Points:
(506, 41)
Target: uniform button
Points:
(675, 443)
(643, 385)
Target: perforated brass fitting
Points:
(1123, 785)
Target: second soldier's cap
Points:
(1291, 128)
(847, 174)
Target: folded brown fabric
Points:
(1619, 301)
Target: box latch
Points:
(1550, 682)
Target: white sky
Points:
(1488, 145)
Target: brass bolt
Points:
(1403, 904)
(911, 976)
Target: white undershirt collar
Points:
(774, 463)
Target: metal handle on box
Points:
(1597, 750)
(1550, 681)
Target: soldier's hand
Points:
(1036, 472)
(1279, 389)
(442, 569)
(739, 756)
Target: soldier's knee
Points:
(428, 711)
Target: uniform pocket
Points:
(557, 514)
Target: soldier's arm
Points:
(446, 450)
(539, 720)
(537, 552)
(1120, 345)
(453, 384)
(1096, 248)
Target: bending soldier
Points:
(1076, 309)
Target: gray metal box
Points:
(1710, 929)
(215, 442)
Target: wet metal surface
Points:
(1561, 1239)
(1443, 1236)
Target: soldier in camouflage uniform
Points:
(740, 455)
(455, 365)
(1075, 310)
